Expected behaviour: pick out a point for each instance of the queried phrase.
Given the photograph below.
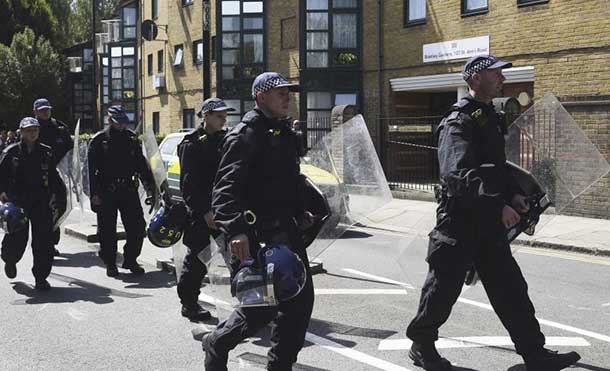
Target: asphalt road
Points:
(364, 302)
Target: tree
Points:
(81, 17)
(30, 69)
(62, 10)
(16, 15)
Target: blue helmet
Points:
(277, 275)
(12, 218)
(167, 225)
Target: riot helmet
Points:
(167, 225)
(275, 276)
(12, 218)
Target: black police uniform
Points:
(199, 154)
(259, 171)
(56, 134)
(30, 179)
(469, 229)
(115, 164)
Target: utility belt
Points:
(270, 228)
(122, 183)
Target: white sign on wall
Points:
(456, 49)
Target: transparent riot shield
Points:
(220, 271)
(552, 161)
(153, 155)
(345, 167)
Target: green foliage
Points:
(29, 69)
(17, 15)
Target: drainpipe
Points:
(206, 49)
(380, 61)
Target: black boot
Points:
(56, 252)
(134, 267)
(549, 360)
(213, 360)
(112, 271)
(42, 285)
(195, 313)
(10, 269)
(425, 356)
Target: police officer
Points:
(258, 198)
(116, 163)
(478, 202)
(56, 135)
(28, 178)
(199, 155)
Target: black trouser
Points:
(14, 244)
(196, 238)
(503, 282)
(290, 319)
(127, 202)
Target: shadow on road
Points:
(83, 259)
(148, 280)
(350, 233)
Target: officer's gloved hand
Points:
(150, 200)
(240, 247)
(3, 197)
(519, 203)
(209, 220)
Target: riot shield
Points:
(153, 155)
(345, 167)
(551, 160)
(220, 272)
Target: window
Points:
(154, 9)
(198, 52)
(188, 118)
(241, 54)
(213, 53)
(119, 79)
(129, 16)
(332, 33)
(155, 122)
(319, 106)
(415, 12)
(473, 7)
(160, 61)
(178, 55)
(531, 2)
(187, 2)
(149, 64)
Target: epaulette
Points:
(99, 133)
(131, 132)
(60, 124)
(45, 147)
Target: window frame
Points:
(160, 61)
(177, 48)
(154, 9)
(467, 13)
(414, 22)
(156, 122)
(524, 3)
(196, 60)
(186, 3)
(332, 52)
(149, 64)
(188, 114)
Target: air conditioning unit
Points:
(75, 64)
(112, 27)
(101, 41)
(158, 81)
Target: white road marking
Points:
(360, 291)
(480, 341)
(565, 255)
(212, 300)
(378, 278)
(606, 305)
(353, 354)
(575, 330)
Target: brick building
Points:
(397, 60)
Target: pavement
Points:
(562, 232)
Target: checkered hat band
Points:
(477, 67)
(211, 106)
(269, 84)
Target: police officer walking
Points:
(478, 202)
(56, 135)
(258, 198)
(116, 163)
(199, 154)
(28, 178)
